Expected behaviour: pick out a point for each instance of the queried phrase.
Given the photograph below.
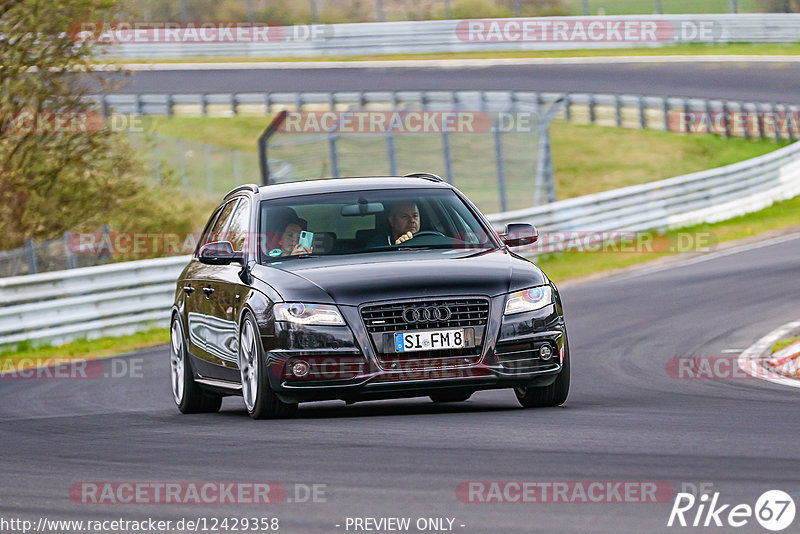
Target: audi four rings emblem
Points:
(429, 314)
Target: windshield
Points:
(358, 222)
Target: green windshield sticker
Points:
(275, 252)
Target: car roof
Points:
(332, 185)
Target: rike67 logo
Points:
(774, 510)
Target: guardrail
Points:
(546, 33)
(670, 113)
(700, 197)
(121, 298)
(106, 300)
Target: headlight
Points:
(531, 299)
(299, 313)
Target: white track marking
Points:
(751, 360)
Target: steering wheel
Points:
(422, 233)
(431, 236)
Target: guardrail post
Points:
(298, 101)
(618, 111)
(687, 119)
(395, 100)
(773, 113)
(592, 112)
(332, 101)
(314, 14)
(170, 105)
(734, 6)
(105, 108)
(104, 249)
(745, 121)
(390, 154)
(642, 113)
(30, 254)
(501, 177)
(448, 164)
(203, 105)
(138, 104)
(760, 122)
(726, 119)
(585, 8)
(665, 110)
(334, 155)
(68, 255)
(267, 103)
(234, 104)
(710, 123)
(657, 7)
(567, 107)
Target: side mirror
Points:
(220, 253)
(519, 234)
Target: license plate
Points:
(429, 340)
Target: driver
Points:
(403, 221)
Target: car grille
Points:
(380, 319)
(389, 317)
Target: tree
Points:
(61, 167)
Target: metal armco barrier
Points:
(435, 36)
(112, 299)
(677, 114)
(124, 297)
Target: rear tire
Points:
(451, 396)
(260, 401)
(187, 394)
(553, 395)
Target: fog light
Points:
(545, 352)
(300, 369)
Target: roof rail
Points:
(426, 175)
(246, 187)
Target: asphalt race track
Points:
(765, 81)
(626, 420)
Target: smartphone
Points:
(306, 239)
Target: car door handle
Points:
(188, 290)
(208, 291)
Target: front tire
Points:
(553, 395)
(260, 401)
(188, 396)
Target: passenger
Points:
(284, 237)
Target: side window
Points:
(217, 232)
(207, 230)
(240, 225)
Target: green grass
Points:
(28, 354)
(587, 158)
(627, 7)
(783, 343)
(689, 49)
(574, 264)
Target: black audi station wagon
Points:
(361, 289)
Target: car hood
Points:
(353, 280)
